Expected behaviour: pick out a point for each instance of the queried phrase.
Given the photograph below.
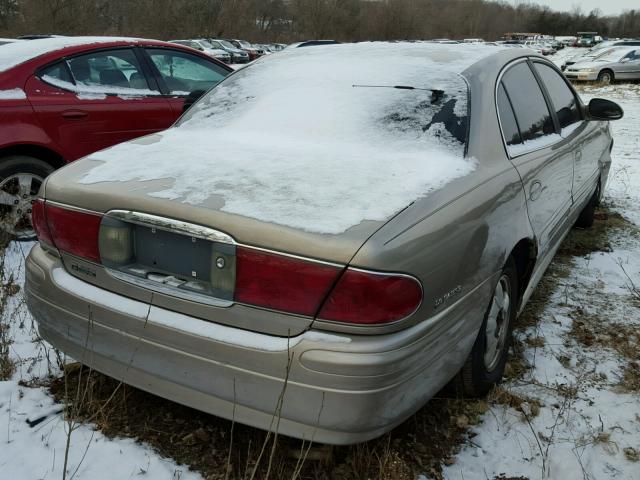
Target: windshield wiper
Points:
(435, 93)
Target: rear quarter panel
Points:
(456, 240)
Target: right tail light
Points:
(370, 298)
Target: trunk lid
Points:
(64, 187)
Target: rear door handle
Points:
(578, 155)
(74, 114)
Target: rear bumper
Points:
(341, 389)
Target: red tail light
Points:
(39, 221)
(282, 283)
(71, 231)
(362, 297)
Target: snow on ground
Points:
(37, 451)
(588, 426)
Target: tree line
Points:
(291, 20)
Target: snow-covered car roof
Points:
(14, 54)
(330, 114)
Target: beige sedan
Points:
(330, 235)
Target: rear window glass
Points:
(348, 103)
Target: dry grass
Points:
(202, 442)
(7, 366)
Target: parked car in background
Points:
(540, 48)
(253, 51)
(587, 39)
(206, 47)
(242, 263)
(265, 48)
(312, 43)
(598, 50)
(276, 47)
(63, 98)
(473, 40)
(617, 63)
(237, 54)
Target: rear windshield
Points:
(354, 101)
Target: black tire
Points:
(476, 377)
(588, 213)
(15, 220)
(606, 77)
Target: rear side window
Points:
(564, 101)
(57, 71)
(534, 119)
(633, 56)
(507, 119)
(109, 71)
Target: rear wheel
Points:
(485, 365)
(605, 77)
(20, 180)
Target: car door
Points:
(180, 73)
(535, 147)
(588, 143)
(94, 100)
(629, 66)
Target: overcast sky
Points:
(608, 7)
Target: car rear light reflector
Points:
(367, 298)
(281, 282)
(74, 231)
(39, 221)
(116, 242)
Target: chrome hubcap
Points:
(606, 78)
(497, 324)
(16, 194)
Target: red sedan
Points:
(63, 98)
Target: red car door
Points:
(179, 73)
(95, 100)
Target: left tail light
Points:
(70, 231)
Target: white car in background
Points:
(617, 63)
(206, 47)
(598, 50)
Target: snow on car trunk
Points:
(318, 139)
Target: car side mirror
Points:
(601, 109)
(191, 99)
(625, 60)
